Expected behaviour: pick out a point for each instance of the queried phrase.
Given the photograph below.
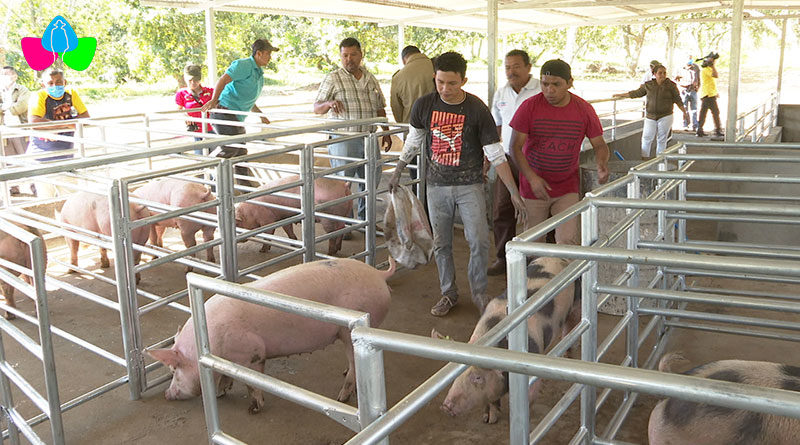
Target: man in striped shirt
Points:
(352, 92)
(546, 142)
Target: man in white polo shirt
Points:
(521, 85)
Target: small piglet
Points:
(15, 251)
(249, 334)
(485, 387)
(252, 216)
(179, 193)
(679, 422)
(91, 212)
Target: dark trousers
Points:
(709, 103)
(504, 223)
(231, 152)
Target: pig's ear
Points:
(169, 357)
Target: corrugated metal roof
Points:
(513, 15)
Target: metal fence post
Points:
(589, 224)
(208, 389)
(518, 403)
(227, 221)
(634, 234)
(7, 399)
(370, 383)
(307, 203)
(371, 178)
(81, 145)
(120, 233)
(614, 121)
(147, 141)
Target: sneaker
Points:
(497, 268)
(444, 305)
(718, 133)
(701, 134)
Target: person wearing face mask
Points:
(661, 94)
(521, 86)
(194, 95)
(14, 109)
(54, 102)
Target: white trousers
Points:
(658, 129)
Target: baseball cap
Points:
(263, 45)
(557, 67)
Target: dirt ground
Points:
(113, 418)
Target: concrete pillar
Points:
(211, 48)
(670, 49)
(733, 72)
(491, 58)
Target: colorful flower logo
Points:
(59, 39)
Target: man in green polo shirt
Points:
(238, 90)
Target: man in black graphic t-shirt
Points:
(456, 130)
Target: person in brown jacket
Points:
(661, 94)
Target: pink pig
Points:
(249, 334)
(251, 216)
(90, 211)
(179, 193)
(17, 252)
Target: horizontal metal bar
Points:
(694, 195)
(338, 411)
(741, 276)
(712, 247)
(25, 387)
(737, 331)
(732, 157)
(717, 290)
(722, 318)
(693, 297)
(23, 426)
(712, 176)
(165, 301)
(21, 337)
(615, 255)
(564, 344)
(754, 219)
(274, 300)
(690, 388)
(733, 208)
(271, 262)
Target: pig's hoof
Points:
(344, 395)
(104, 264)
(264, 248)
(254, 408)
(138, 278)
(189, 269)
(9, 316)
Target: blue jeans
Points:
(689, 99)
(471, 204)
(353, 148)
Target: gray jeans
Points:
(471, 204)
(353, 148)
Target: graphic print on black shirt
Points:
(58, 109)
(447, 130)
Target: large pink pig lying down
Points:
(249, 334)
(678, 422)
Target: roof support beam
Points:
(733, 73)
(780, 63)
(211, 47)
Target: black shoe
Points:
(700, 134)
(719, 133)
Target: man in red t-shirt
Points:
(548, 132)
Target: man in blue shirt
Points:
(238, 90)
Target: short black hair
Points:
(656, 68)
(409, 50)
(9, 67)
(526, 59)
(349, 43)
(194, 71)
(261, 45)
(451, 61)
(51, 72)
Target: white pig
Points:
(16, 251)
(679, 422)
(249, 334)
(179, 193)
(485, 387)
